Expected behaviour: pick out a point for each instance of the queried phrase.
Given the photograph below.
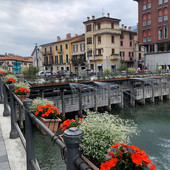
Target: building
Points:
(15, 63)
(78, 58)
(130, 52)
(154, 32)
(37, 58)
(57, 55)
(102, 42)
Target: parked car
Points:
(89, 71)
(45, 73)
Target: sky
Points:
(26, 22)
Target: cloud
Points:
(26, 22)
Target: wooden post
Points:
(42, 93)
(95, 99)
(109, 108)
(122, 98)
(80, 102)
(143, 89)
(152, 99)
(160, 85)
(132, 100)
(63, 103)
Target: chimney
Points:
(122, 26)
(108, 15)
(58, 38)
(93, 17)
(68, 35)
(130, 28)
(88, 18)
(125, 27)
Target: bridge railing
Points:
(70, 146)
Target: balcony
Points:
(49, 52)
(107, 31)
(44, 53)
(59, 51)
(114, 57)
(78, 60)
(96, 57)
(48, 63)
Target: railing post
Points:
(72, 138)
(1, 89)
(6, 108)
(80, 102)
(13, 134)
(63, 103)
(30, 153)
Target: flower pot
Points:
(89, 162)
(52, 124)
(23, 97)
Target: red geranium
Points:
(47, 112)
(10, 80)
(127, 157)
(22, 91)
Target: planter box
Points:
(22, 97)
(52, 124)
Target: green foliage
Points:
(30, 71)
(21, 84)
(103, 130)
(131, 70)
(107, 71)
(123, 66)
(38, 102)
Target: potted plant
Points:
(22, 90)
(9, 79)
(47, 113)
(2, 71)
(127, 157)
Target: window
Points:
(165, 14)
(131, 36)
(165, 1)
(113, 39)
(144, 6)
(165, 32)
(160, 34)
(61, 48)
(130, 55)
(144, 39)
(149, 22)
(149, 5)
(121, 43)
(56, 59)
(50, 49)
(99, 51)
(130, 44)
(112, 25)
(56, 48)
(75, 48)
(89, 53)
(66, 58)
(99, 39)
(122, 54)
(159, 2)
(149, 38)
(165, 17)
(61, 59)
(139, 48)
(66, 46)
(149, 35)
(139, 56)
(45, 51)
(121, 35)
(159, 19)
(88, 28)
(113, 51)
(98, 25)
(89, 40)
(144, 23)
(82, 47)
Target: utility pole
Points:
(36, 54)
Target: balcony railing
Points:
(78, 60)
(108, 31)
(49, 52)
(48, 63)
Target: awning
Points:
(81, 53)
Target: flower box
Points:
(52, 124)
(23, 97)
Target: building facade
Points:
(154, 31)
(57, 55)
(14, 63)
(102, 39)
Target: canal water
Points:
(153, 121)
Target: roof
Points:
(102, 18)
(67, 39)
(82, 38)
(17, 58)
(127, 30)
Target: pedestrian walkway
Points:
(12, 153)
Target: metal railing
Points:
(70, 146)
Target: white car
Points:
(44, 73)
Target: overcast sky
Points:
(26, 22)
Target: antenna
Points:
(102, 12)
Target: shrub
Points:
(30, 71)
(103, 130)
(123, 66)
(131, 70)
(107, 71)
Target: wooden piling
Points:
(63, 103)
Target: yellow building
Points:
(57, 55)
(102, 42)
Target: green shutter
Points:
(66, 46)
(61, 48)
(56, 48)
(56, 59)
(61, 59)
(66, 58)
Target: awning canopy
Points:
(81, 53)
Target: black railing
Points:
(70, 146)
